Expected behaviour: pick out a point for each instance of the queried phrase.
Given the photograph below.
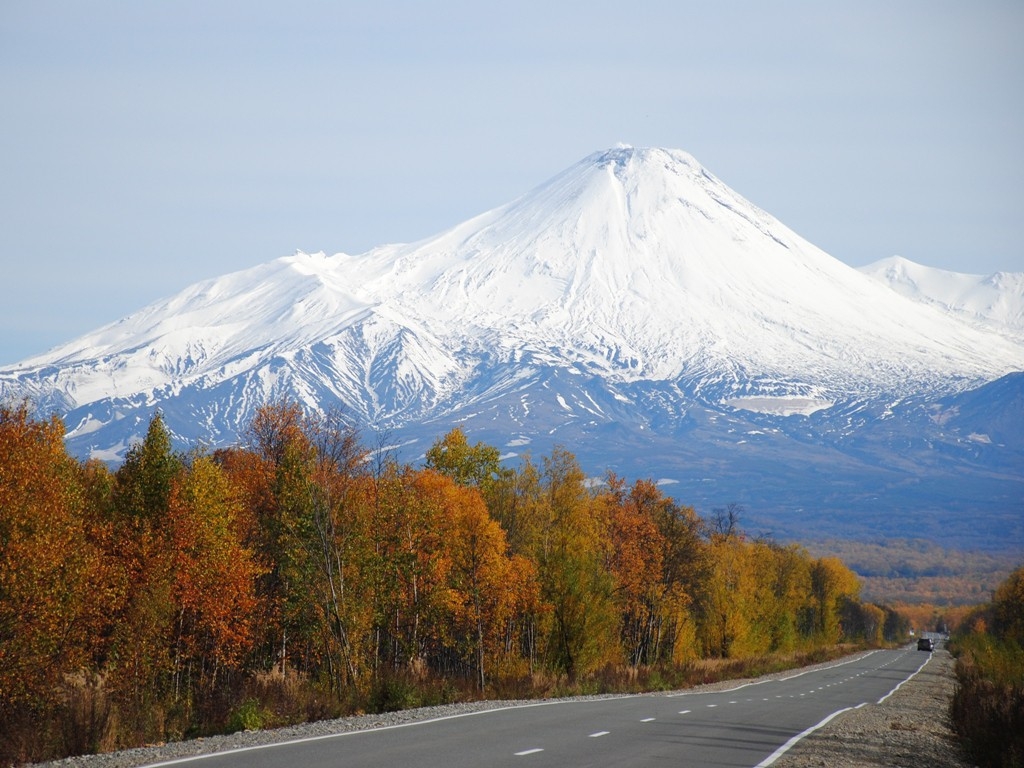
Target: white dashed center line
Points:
(811, 692)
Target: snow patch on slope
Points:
(779, 406)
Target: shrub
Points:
(988, 705)
(250, 715)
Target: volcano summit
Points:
(633, 309)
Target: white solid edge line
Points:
(890, 693)
(789, 744)
(324, 736)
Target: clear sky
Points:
(147, 145)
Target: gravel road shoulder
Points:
(909, 728)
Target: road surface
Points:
(749, 725)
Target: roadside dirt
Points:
(911, 728)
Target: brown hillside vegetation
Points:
(916, 572)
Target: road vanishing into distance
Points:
(752, 724)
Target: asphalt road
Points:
(749, 725)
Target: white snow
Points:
(650, 268)
(631, 265)
(990, 301)
(779, 406)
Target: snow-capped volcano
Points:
(632, 295)
(642, 265)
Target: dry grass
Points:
(988, 704)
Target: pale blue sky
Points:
(145, 146)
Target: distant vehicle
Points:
(925, 644)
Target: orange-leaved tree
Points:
(51, 578)
(214, 576)
(636, 562)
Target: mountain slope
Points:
(648, 267)
(633, 308)
(989, 301)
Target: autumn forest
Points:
(304, 575)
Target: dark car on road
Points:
(925, 644)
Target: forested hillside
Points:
(916, 571)
(303, 575)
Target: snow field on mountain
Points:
(990, 301)
(633, 266)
